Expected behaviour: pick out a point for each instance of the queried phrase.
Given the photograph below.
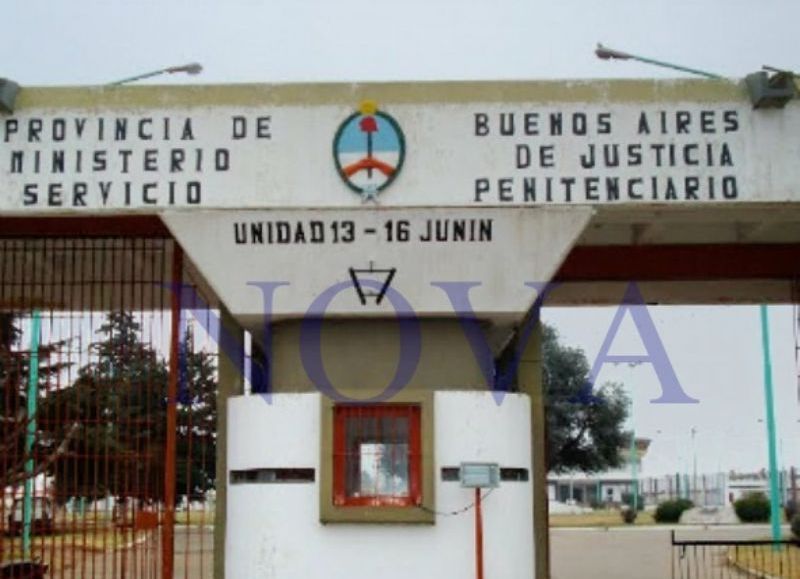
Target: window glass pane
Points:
(358, 429)
(376, 460)
(384, 470)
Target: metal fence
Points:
(718, 559)
(714, 489)
(107, 411)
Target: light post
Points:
(694, 465)
(793, 479)
(192, 68)
(634, 465)
(606, 53)
(781, 470)
(771, 438)
(633, 455)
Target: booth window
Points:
(377, 455)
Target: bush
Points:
(595, 505)
(671, 511)
(790, 509)
(627, 500)
(753, 508)
(796, 526)
(628, 515)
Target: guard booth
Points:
(372, 260)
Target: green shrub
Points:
(628, 515)
(627, 500)
(594, 504)
(753, 508)
(671, 511)
(796, 526)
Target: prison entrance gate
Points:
(107, 407)
(425, 221)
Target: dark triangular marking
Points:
(364, 293)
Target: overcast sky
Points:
(715, 351)
(96, 41)
(717, 356)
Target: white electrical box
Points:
(483, 475)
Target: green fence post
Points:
(774, 492)
(30, 435)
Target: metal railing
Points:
(723, 558)
(107, 412)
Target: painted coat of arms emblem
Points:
(369, 149)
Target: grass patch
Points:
(783, 562)
(599, 518)
(43, 545)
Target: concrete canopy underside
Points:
(728, 256)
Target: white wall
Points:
(453, 159)
(524, 246)
(274, 529)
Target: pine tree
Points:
(197, 420)
(118, 400)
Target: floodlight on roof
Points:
(771, 91)
(192, 68)
(606, 53)
(8, 95)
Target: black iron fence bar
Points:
(724, 543)
(731, 542)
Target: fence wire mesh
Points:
(87, 352)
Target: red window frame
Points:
(345, 412)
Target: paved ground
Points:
(616, 553)
(641, 552)
(582, 553)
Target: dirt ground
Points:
(139, 557)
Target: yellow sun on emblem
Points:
(368, 107)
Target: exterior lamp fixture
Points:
(8, 95)
(191, 68)
(606, 53)
(771, 91)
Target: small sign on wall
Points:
(484, 475)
